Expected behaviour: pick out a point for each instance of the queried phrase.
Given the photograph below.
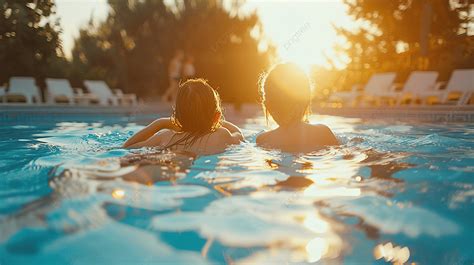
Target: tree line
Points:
(131, 48)
(402, 36)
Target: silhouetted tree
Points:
(29, 39)
(407, 35)
(133, 46)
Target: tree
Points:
(407, 35)
(29, 39)
(132, 47)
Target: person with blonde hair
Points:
(286, 97)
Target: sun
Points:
(303, 33)
(306, 66)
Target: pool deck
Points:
(405, 113)
(19, 108)
(42, 112)
(23, 112)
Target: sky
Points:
(74, 14)
(301, 30)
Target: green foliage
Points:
(392, 35)
(29, 39)
(132, 48)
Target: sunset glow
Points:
(302, 32)
(306, 37)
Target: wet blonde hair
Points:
(197, 111)
(285, 93)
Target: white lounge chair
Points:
(106, 96)
(59, 91)
(23, 88)
(417, 83)
(3, 91)
(346, 97)
(379, 86)
(130, 99)
(460, 88)
(102, 91)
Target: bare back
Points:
(212, 143)
(300, 138)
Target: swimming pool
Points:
(394, 192)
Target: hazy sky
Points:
(76, 13)
(301, 30)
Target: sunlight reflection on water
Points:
(248, 205)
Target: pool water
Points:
(392, 193)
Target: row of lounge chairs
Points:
(421, 87)
(59, 91)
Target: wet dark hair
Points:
(285, 92)
(197, 111)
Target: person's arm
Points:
(234, 130)
(150, 130)
(154, 140)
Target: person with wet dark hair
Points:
(197, 124)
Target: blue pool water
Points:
(394, 192)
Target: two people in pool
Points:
(197, 124)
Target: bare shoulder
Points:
(160, 137)
(320, 127)
(224, 136)
(165, 132)
(263, 137)
(324, 134)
